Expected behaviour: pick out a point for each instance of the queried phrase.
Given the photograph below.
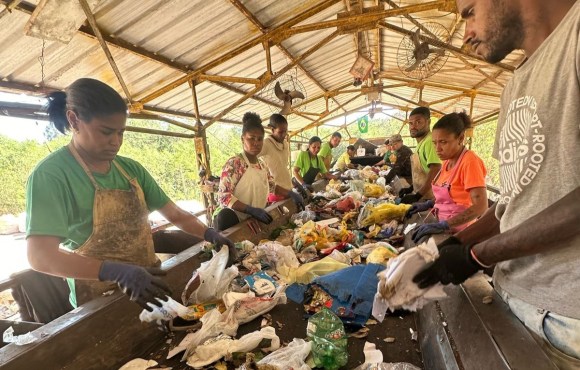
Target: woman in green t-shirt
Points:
(96, 203)
(308, 165)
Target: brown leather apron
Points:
(121, 231)
(419, 176)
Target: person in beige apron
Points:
(423, 158)
(245, 182)
(104, 227)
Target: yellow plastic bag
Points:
(305, 273)
(381, 213)
(381, 255)
(373, 190)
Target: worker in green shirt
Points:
(96, 204)
(326, 149)
(425, 164)
(308, 165)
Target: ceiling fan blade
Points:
(278, 91)
(415, 38)
(296, 94)
(413, 66)
(287, 109)
(439, 52)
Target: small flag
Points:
(363, 124)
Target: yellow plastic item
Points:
(305, 273)
(381, 255)
(373, 190)
(381, 213)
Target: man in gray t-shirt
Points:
(533, 233)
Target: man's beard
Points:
(506, 33)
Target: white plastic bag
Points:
(224, 346)
(169, 310)
(213, 279)
(291, 357)
(396, 288)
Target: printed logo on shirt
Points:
(522, 147)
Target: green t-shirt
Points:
(427, 153)
(304, 162)
(325, 151)
(60, 195)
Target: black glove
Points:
(390, 176)
(405, 191)
(141, 284)
(449, 241)
(212, 236)
(411, 198)
(259, 214)
(297, 199)
(454, 265)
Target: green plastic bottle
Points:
(329, 341)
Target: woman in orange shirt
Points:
(459, 187)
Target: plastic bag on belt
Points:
(396, 288)
(291, 357)
(376, 213)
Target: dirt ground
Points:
(8, 307)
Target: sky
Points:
(18, 128)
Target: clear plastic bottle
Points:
(329, 340)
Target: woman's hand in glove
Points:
(420, 207)
(259, 214)
(297, 199)
(217, 239)
(428, 229)
(141, 284)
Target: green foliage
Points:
(171, 161)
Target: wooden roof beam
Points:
(413, 82)
(239, 50)
(320, 121)
(256, 22)
(417, 104)
(233, 79)
(268, 79)
(484, 117)
(93, 23)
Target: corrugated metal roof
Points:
(171, 38)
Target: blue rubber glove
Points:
(420, 207)
(141, 284)
(428, 229)
(297, 199)
(454, 265)
(217, 239)
(259, 214)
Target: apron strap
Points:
(80, 161)
(123, 172)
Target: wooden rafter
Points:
(415, 103)
(93, 23)
(239, 50)
(438, 101)
(268, 79)
(486, 116)
(320, 121)
(416, 83)
(256, 22)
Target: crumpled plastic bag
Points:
(279, 256)
(303, 217)
(20, 340)
(396, 288)
(382, 253)
(291, 357)
(305, 273)
(224, 346)
(377, 213)
(367, 173)
(210, 281)
(247, 309)
(373, 190)
(374, 361)
(169, 310)
(138, 364)
(352, 173)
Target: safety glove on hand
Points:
(428, 229)
(259, 214)
(141, 284)
(214, 237)
(411, 198)
(405, 191)
(454, 265)
(297, 199)
(420, 207)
